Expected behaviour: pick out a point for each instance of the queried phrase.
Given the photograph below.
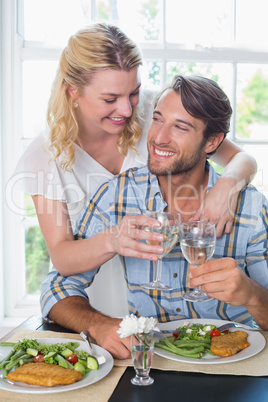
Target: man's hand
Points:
(107, 337)
(74, 312)
(222, 279)
(125, 238)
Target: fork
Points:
(236, 325)
(85, 335)
(221, 328)
(167, 331)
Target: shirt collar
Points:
(156, 192)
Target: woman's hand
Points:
(219, 205)
(126, 238)
(220, 202)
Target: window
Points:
(210, 38)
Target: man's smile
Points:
(163, 153)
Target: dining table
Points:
(239, 381)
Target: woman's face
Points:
(107, 102)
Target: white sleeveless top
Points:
(36, 174)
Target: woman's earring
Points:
(75, 105)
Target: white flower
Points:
(132, 325)
(128, 326)
(150, 325)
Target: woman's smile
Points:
(117, 120)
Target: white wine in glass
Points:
(170, 229)
(197, 240)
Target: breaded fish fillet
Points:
(44, 374)
(229, 344)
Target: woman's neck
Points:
(104, 151)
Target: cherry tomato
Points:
(215, 332)
(175, 334)
(226, 331)
(73, 358)
(38, 358)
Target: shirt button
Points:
(178, 310)
(175, 275)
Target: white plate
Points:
(88, 379)
(255, 338)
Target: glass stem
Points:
(158, 270)
(198, 288)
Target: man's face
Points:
(175, 139)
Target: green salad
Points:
(195, 331)
(65, 355)
(193, 341)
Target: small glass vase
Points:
(142, 350)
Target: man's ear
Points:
(213, 143)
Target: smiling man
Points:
(190, 120)
(172, 130)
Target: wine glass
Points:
(170, 228)
(197, 240)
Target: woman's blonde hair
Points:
(99, 47)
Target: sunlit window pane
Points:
(53, 21)
(194, 22)
(260, 154)
(30, 211)
(37, 259)
(252, 101)
(251, 23)
(219, 72)
(141, 19)
(150, 74)
(43, 18)
(37, 80)
(107, 10)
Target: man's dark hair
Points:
(203, 99)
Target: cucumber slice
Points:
(63, 362)
(51, 354)
(66, 353)
(92, 363)
(80, 367)
(32, 352)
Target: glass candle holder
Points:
(142, 350)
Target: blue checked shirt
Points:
(135, 191)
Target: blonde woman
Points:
(98, 130)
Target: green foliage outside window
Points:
(37, 259)
(148, 19)
(253, 107)
(191, 68)
(36, 254)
